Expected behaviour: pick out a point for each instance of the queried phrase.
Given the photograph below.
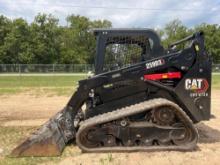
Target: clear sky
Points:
(122, 13)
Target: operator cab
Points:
(118, 48)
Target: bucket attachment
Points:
(50, 139)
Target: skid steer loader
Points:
(142, 97)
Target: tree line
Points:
(44, 41)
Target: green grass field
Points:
(58, 85)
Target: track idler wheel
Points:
(181, 137)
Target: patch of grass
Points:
(107, 160)
(216, 81)
(110, 157)
(10, 90)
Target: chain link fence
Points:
(46, 68)
(216, 68)
(57, 68)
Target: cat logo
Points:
(197, 85)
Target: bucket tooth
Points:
(49, 140)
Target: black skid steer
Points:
(142, 97)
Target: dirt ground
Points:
(28, 110)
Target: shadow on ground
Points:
(208, 134)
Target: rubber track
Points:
(135, 109)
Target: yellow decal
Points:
(197, 47)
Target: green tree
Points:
(78, 43)
(45, 43)
(212, 39)
(5, 29)
(16, 43)
(174, 31)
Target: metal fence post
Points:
(53, 67)
(19, 69)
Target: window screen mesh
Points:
(122, 51)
